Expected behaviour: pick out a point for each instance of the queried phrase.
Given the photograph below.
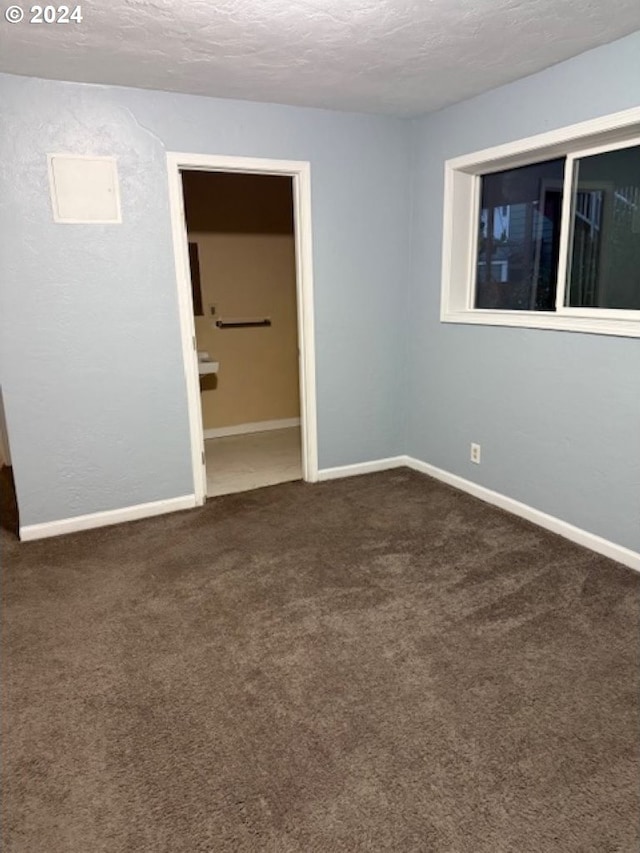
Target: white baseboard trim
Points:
(576, 534)
(362, 468)
(257, 426)
(102, 519)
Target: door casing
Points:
(300, 172)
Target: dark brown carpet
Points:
(379, 663)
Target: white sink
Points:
(206, 365)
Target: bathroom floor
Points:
(237, 463)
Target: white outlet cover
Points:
(84, 189)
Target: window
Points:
(546, 232)
(604, 237)
(519, 238)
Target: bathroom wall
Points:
(243, 226)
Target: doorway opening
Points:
(243, 260)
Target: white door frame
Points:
(300, 172)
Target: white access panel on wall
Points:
(84, 189)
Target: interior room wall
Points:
(96, 401)
(96, 404)
(243, 227)
(557, 413)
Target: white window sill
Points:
(546, 320)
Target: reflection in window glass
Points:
(604, 247)
(519, 238)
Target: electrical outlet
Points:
(475, 453)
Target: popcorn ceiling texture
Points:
(402, 57)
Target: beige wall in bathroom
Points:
(243, 225)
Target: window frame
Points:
(462, 190)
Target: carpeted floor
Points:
(379, 663)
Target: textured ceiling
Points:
(402, 57)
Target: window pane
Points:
(519, 239)
(604, 247)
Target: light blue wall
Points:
(92, 375)
(557, 414)
(91, 368)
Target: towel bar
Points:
(240, 324)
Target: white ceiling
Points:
(402, 57)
